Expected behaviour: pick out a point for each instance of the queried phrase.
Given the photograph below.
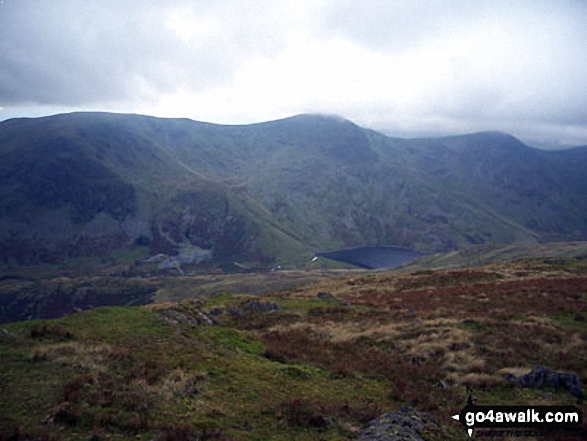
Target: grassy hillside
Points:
(298, 364)
(85, 184)
(475, 255)
(47, 292)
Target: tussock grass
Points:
(478, 380)
(88, 358)
(313, 368)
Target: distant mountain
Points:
(88, 184)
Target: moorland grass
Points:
(311, 369)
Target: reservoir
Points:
(373, 257)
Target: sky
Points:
(409, 68)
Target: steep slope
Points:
(433, 194)
(274, 192)
(529, 187)
(86, 184)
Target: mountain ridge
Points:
(275, 191)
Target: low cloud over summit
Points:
(403, 67)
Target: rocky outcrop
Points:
(256, 306)
(540, 376)
(406, 424)
(325, 296)
(189, 312)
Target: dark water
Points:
(373, 257)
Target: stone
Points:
(235, 312)
(406, 424)
(257, 306)
(182, 315)
(325, 296)
(540, 376)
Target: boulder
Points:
(540, 376)
(257, 306)
(187, 314)
(325, 296)
(406, 424)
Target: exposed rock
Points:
(257, 306)
(234, 311)
(187, 253)
(206, 318)
(325, 296)
(5, 333)
(540, 376)
(187, 313)
(406, 424)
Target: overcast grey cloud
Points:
(407, 67)
(70, 52)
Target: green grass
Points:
(232, 340)
(135, 356)
(117, 324)
(557, 255)
(301, 305)
(313, 369)
(571, 320)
